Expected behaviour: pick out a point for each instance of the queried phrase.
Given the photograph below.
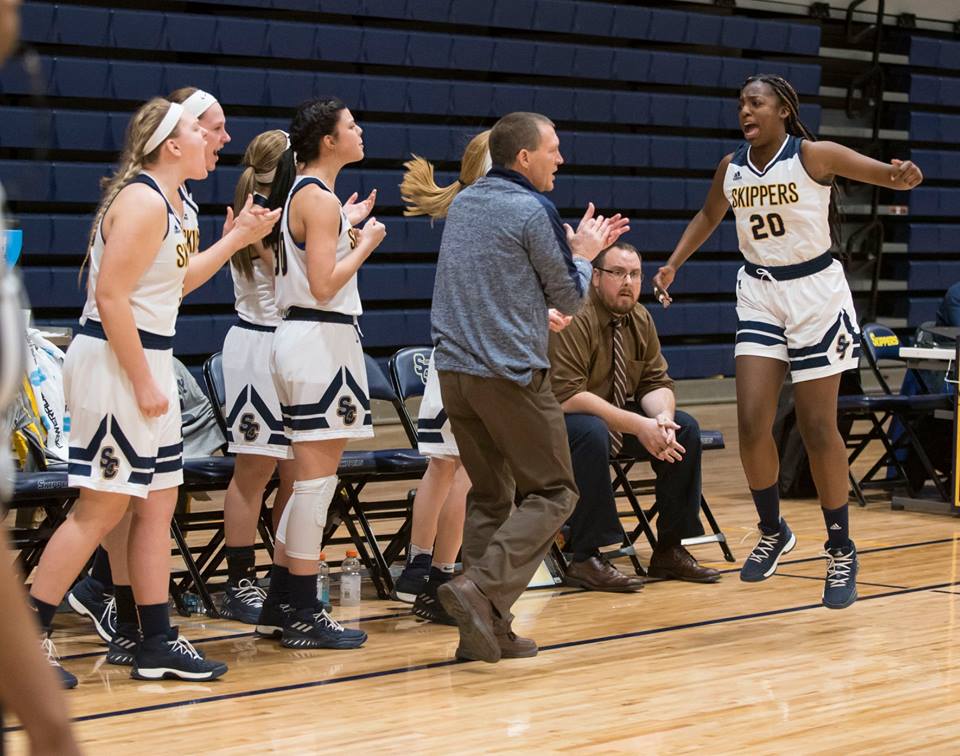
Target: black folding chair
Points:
(361, 468)
(633, 489)
(880, 408)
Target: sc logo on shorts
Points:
(109, 463)
(347, 410)
(249, 427)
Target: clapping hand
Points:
(905, 174)
(355, 211)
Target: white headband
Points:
(267, 176)
(198, 103)
(167, 125)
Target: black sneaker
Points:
(428, 607)
(273, 618)
(310, 628)
(172, 657)
(90, 599)
(411, 581)
(765, 557)
(123, 648)
(53, 659)
(243, 602)
(840, 585)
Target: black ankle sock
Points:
(154, 619)
(241, 563)
(303, 591)
(767, 502)
(583, 556)
(126, 606)
(279, 590)
(838, 527)
(45, 613)
(100, 571)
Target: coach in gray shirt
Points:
(505, 258)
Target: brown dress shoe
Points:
(597, 574)
(474, 616)
(677, 563)
(512, 646)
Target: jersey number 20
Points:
(772, 221)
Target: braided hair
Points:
(795, 127)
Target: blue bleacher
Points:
(935, 90)
(933, 237)
(934, 53)
(931, 200)
(934, 127)
(937, 164)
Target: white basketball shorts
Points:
(807, 322)
(254, 425)
(321, 381)
(434, 434)
(113, 447)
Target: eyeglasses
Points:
(621, 275)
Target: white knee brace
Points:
(301, 526)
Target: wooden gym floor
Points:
(725, 668)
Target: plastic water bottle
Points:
(350, 580)
(323, 581)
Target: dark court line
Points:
(251, 634)
(452, 662)
(859, 582)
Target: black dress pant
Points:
(594, 522)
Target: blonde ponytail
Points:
(132, 161)
(419, 190)
(260, 158)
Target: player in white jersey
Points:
(120, 385)
(254, 427)
(440, 503)
(210, 114)
(317, 362)
(794, 309)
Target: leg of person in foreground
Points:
(28, 686)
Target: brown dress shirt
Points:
(581, 355)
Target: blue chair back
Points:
(216, 389)
(377, 383)
(879, 343)
(408, 369)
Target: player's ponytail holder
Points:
(165, 127)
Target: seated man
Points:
(611, 379)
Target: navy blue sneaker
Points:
(428, 606)
(123, 648)
(243, 602)
(67, 680)
(412, 580)
(273, 618)
(762, 562)
(310, 628)
(173, 657)
(840, 585)
(90, 599)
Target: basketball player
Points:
(317, 361)
(440, 503)
(105, 596)
(120, 385)
(794, 309)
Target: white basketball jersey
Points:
(292, 286)
(156, 298)
(254, 296)
(191, 220)
(781, 212)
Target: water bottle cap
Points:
(323, 556)
(351, 553)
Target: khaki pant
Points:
(507, 432)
